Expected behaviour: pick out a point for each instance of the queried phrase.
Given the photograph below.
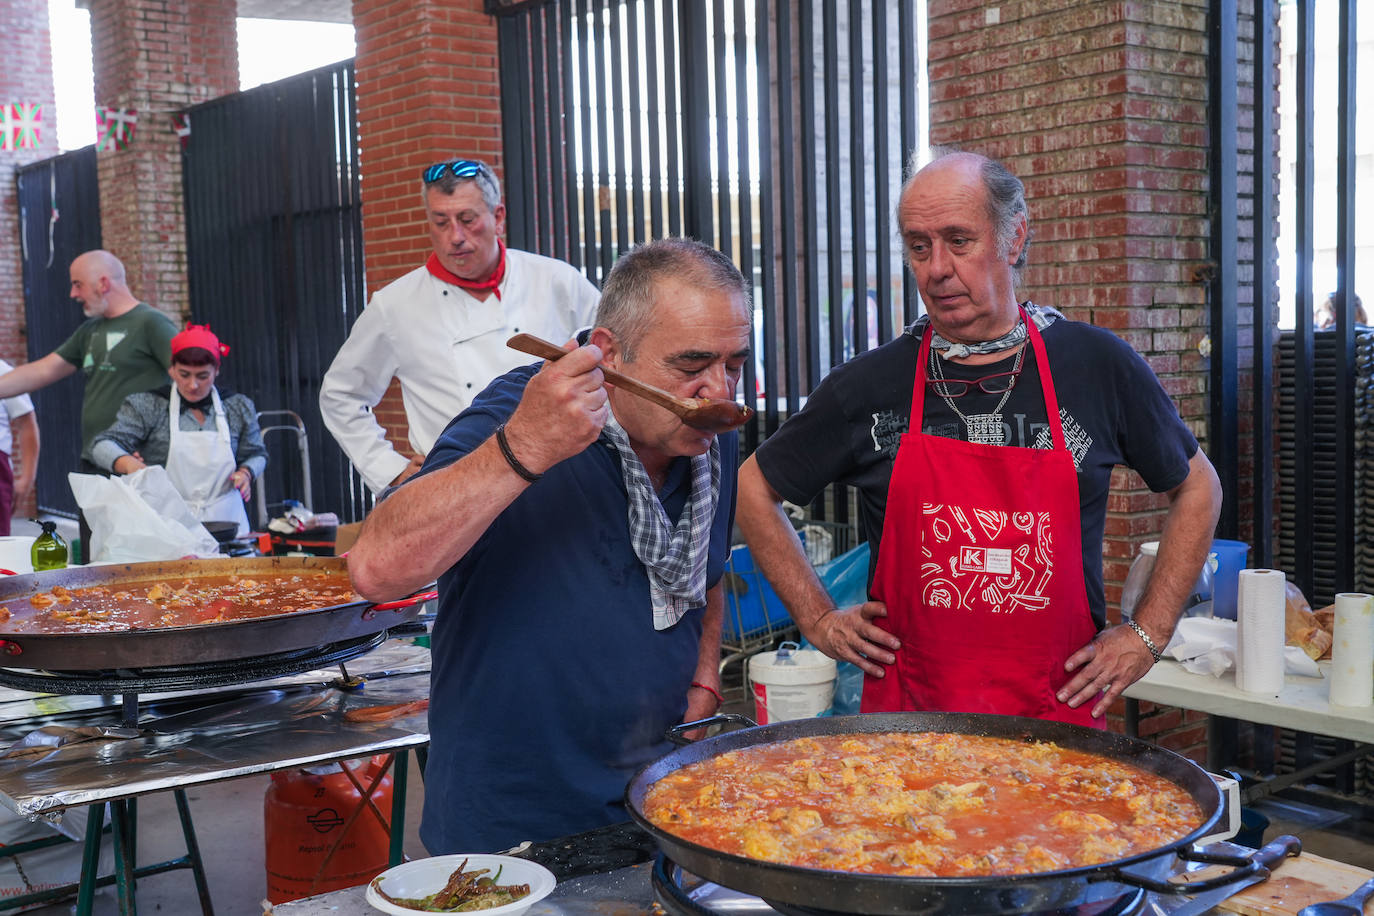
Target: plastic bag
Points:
(846, 579)
(139, 517)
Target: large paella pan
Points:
(854, 892)
(203, 610)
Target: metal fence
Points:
(274, 259)
(775, 131)
(59, 218)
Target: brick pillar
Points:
(1101, 109)
(428, 89)
(25, 78)
(156, 57)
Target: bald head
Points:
(1004, 194)
(99, 284)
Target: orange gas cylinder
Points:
(321, 835)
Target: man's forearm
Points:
(1183, 548)
(32, 376)
(776, 549)
(428, 524)
(708, 647)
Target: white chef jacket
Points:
(445, 345)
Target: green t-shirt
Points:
(119, 356)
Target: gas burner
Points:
(680, 892)
(594, 851)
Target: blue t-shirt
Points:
(550, 686)
(1113, 410)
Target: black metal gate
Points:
(775, 130)
(59, 218)
(274, 258)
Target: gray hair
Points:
(1006, 196)
(485, 179)
(628, 294)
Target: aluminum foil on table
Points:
(59, 752)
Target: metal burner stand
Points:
(681, 892)
(128, 683)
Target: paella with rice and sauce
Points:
(926, 804)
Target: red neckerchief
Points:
(492, 283)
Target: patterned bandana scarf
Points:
(491, 284)
(674, 557)
(1042, 316)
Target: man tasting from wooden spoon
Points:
(579, 535)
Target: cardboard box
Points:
(345, 537)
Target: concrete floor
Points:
(229, 828)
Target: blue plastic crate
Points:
(752, 608)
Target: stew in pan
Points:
(173, 601)
(928, 804)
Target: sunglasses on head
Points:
(461, 168)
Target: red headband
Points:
(199, 335)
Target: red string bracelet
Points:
(711, 690)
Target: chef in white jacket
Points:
(208, 440)
(441, 329)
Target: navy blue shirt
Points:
(550, 686)
(1113, 410)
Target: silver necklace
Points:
(983, 428)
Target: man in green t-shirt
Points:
(123, 347)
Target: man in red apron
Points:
(983, 439)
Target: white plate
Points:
(423, 877)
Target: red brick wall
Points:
(156, 57)
(25, 77)
(428, 89)
(1101, 109)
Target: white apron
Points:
(200, 464)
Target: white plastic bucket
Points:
(16, 554)
(799, 685)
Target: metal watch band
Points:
(1145, 637)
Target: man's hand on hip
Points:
(849, 635)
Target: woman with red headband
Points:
(210, 443)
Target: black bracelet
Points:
(515, 465)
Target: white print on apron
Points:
(200, 464)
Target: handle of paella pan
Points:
(415, 599)
(1257, 863)
(677, 734)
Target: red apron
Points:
(985, 614)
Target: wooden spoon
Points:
(712, 415)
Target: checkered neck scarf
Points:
(1043, 316)
(673, 556)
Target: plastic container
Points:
(1198, 602)
(305, 813)
(751, 605)
(791, 683)
(1230, 560)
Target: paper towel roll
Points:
(1260, 630)
(1352, 651)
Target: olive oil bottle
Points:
(49, 551)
